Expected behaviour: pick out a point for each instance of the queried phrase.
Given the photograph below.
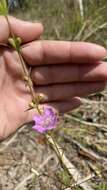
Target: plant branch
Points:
(15, 43)
(68, 165)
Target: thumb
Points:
(27, 31)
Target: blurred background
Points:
(66, 19)
(83, 132)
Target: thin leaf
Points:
(3, 7)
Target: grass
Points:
(102, 186)
(62, 19)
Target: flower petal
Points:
(46, 121)
(39, 129)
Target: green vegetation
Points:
(63, 20)
(102, 186)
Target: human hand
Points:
(55, 72)
(64, 71)
(14, 98)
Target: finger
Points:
(26, 30)
(54, 52)
(67, 106)
(67, 91)
(61, 107)
(69, 73)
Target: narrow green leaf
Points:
(4, 4)
(3, 7)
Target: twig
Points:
(101, 127)
(22, 183)
(103, 110)
(87, 101)
(101, 141)
(35, 172)
(83, 180)
(44, 163)
(104, 25)
(79, 34)
(8, 142)
(89, 153)
(91, 176)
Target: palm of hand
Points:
(13, 94)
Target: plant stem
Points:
(27, 77)
(59, 154)
(26, 74)
(29, 82)
(10, 31)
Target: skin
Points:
(62, 71)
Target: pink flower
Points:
(45, 121)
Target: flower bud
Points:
(12, 42)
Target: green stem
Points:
(26, 74)
(29, 82)
(10, 31)
(58, 152)
(25, 71)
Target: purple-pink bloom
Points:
(45, 121)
